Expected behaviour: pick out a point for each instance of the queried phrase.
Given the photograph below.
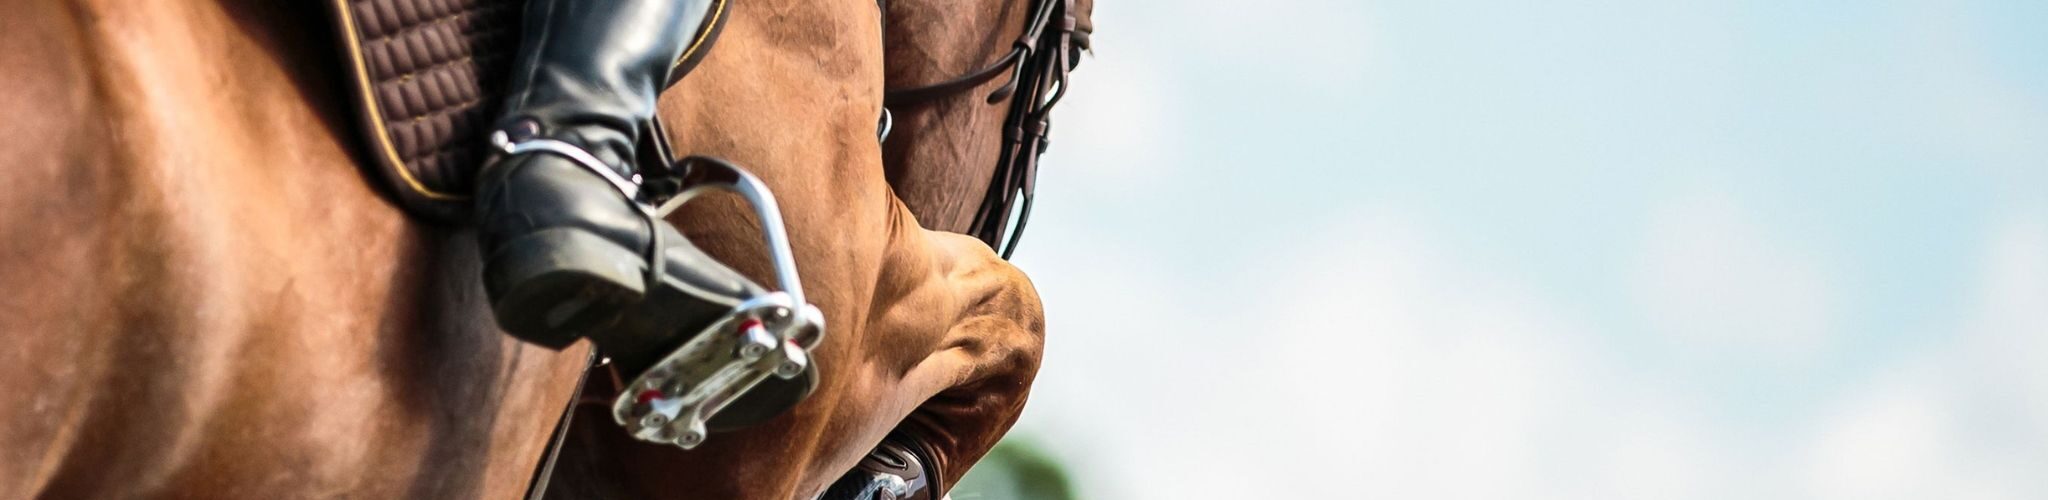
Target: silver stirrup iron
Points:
(771, 334)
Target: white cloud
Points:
(1894, 442)
(1366, 362)
(1967, 420)
(1713, 278)
(1322, 45)
(1123, 119)
(1414, 378)
(1119, 334)
(1133, 96)
(1371, 359)
(2007, 340)
(1657, 453)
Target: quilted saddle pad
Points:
(428, 76)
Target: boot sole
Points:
(555, 285)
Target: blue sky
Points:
(1579, 249)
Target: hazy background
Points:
(1549, 250)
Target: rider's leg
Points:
(566, 253)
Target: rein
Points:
(1038, 63)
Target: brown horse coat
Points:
(947, 336)
(206, 299)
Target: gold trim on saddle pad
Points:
(703, 42)
(367, 98)
(437, 74)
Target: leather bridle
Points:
(1037, 65)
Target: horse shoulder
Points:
(971, 382)
(52, 148)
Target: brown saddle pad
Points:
(428, 76)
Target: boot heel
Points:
(555, 285)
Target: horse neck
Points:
(942, 153)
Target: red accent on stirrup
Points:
(749, 324)
(648, 395)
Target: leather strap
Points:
(925, 94)
(1037, 64)
(537, 487)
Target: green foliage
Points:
(1017, 469)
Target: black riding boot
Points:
(567, 248)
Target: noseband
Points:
(1037, 64)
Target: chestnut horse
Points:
(207, 299)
